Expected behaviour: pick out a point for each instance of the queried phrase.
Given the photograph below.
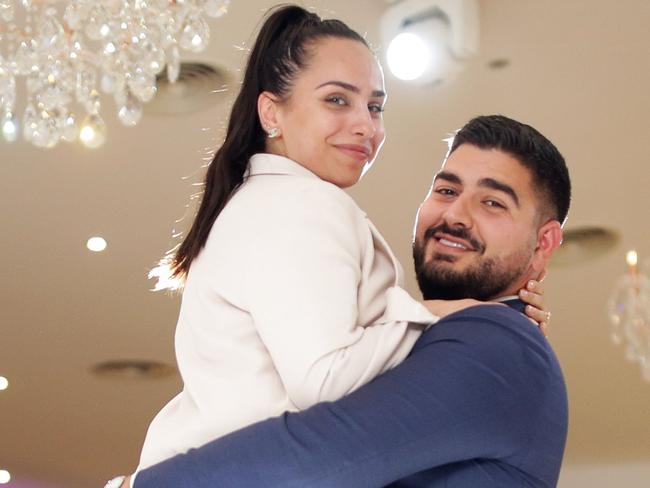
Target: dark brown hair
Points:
(279, 53)
(549, 172)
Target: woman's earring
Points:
(272, 132)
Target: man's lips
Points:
(356, 151)
(444, 239)
(450, 243)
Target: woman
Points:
(291, 295)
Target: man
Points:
(480, 401)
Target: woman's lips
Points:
(355, 151)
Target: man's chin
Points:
(442, 280)
(439, 258)
(454, 263)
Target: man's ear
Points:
(267, 111)
(549, 238)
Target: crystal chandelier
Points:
(69, 52)
(629, 312)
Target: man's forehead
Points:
(471, 164)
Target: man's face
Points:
(476, 232)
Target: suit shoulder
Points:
(492, 314)
(296, 194)
(499, 334)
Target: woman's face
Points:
(332, 122)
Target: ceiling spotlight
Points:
(408, 56)
(96, 244)
(428, 40)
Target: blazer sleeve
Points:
(473, 391)
(302, 286)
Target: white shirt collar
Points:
(506, 298)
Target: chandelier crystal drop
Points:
(68, 52)
(629, 313)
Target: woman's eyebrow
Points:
(351, 87)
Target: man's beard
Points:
(486, 279)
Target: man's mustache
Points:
(459, 232)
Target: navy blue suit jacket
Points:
(480, 402)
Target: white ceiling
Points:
(579, 71)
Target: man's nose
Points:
(459, 213)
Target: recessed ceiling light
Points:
(4, 383)
(96, 244)
(5, 477)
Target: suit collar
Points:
(513, 301)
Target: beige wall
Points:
(624, 475)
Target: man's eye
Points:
(446, 191)
(494, 204)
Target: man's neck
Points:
(513, 290)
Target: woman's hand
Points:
(442, 308)
(533, 295)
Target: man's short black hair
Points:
(550, 176)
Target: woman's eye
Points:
(336, 100)
(376, 108)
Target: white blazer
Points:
(294, 300)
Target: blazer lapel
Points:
(381, 243)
